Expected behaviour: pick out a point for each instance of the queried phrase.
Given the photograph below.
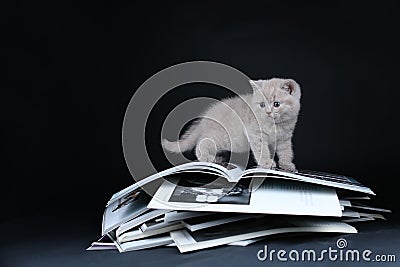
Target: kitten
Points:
(262, 121)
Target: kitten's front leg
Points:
(261, 151)
(284, 151)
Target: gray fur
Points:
(240, 123)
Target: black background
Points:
(71, 69)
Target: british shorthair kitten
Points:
(262, 121)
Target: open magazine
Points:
(200, 205)
(233, 173)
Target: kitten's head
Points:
(276, 98)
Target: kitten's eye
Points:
(277, 104)
(262, 104)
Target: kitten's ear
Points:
(256, 85)
(291, 86)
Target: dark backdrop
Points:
(70, 71)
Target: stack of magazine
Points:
(200, 205)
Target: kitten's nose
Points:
(268, 113)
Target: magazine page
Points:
(101, 246)
(266, 196)
(175, 215)
(124, 209)
(234, 232)
(344, 202)
(104, 243)
(154, 225)
(361, 219)
(199, 223)
(359, 198)
(146, 243)
(214, 168)
(139, 220)
(245, 243)
(138, 234)
(373, 215)
(322, 178)
(350, 213)
(365, 207)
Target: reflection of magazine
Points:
(251, 229)
(233, 173)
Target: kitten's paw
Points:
(268, 165)
(207, 158)
(288, 166)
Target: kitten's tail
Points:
(187, 141)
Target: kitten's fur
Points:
(235, 123)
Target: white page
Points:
(350, 213)
(359, 206)
(210, 223)
(174, 216)
(358, 198)
(362, 219)
(188, 242)
(327, 179)
(282, 197)
(95, 246)
(137, 234)
(146, 243)
(151, 226)
(103, 244)
(245, 243)
(272, 197)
